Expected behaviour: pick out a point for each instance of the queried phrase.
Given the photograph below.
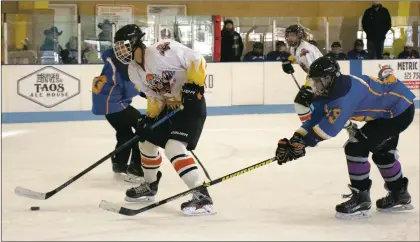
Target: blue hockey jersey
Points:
(362, 98)
(112, 91)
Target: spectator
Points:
(376, 23)
(387, 55)
(409, 52)
(69, 55)
(106, 33)
(280, 52)
(232, 45)
(336, 53)
(51, 40)
(358, 53)
(257, 53)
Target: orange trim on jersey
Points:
(377, 110)
(378, 94)
(305, 117)
(151, 162)
(109, 97)
(179, 164)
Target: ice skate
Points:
(358, 207)
(134, 174)
(398, 200)
(145, 192)
(200, 204)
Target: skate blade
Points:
(134, 179)
(354, 216)
(397, 208)
(203, 211)
(140, 199)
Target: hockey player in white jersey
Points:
(304, 54)
(170, 75)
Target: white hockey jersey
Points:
(167, 66)
(305, 54)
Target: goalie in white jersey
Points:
(170, 75)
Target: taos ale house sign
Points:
(48, 86)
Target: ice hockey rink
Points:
(295, 201)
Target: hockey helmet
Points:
(298, 31)
(322, 74)
(127, 39)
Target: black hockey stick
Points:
(112, 207)
(21, 191)
(204, 169)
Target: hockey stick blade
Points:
(24, 192)
(44, 196)
(112, 207)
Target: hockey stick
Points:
(24, 192)
(204, 169)
(112, 207)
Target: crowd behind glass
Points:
(254, 40)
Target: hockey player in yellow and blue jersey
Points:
(112, 94)
(385, 104)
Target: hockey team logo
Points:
(303, 52)
(162, 48)
(161, 84)
(48, 87)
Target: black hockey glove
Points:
(352, 131)
(283, 152)
(144, 127)
(191, 94)
(305, 96)
(297, 146)
(287, 67)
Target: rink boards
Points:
(29, 91)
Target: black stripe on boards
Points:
(150, 157)
(177, 156)
(187, 170)
(150, 168)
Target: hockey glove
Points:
(305, 96)
(191, 94)
(143, 129)
(287, 67)
(297, 146)
(283, 152)
(351, 130)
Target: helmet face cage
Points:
(298, 31)
(123, 51)
(321, 85)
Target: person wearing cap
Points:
(232, 45)
(376, 22)
(256, 54)
(106, 33)
(358, 53)
(279, 53)
(409, 52)
(336, 52)
(51, 40)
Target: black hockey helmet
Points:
(300, 34)
(127, 39)
(322, 74)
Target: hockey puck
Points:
(34, 208)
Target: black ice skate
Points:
(200, 204)
(357, 207)
(134, 174)
(145, 192)
(118, 167)
(397, 200)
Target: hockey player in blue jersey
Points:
(385, 104)
(112, 94)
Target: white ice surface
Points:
(291, 202)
